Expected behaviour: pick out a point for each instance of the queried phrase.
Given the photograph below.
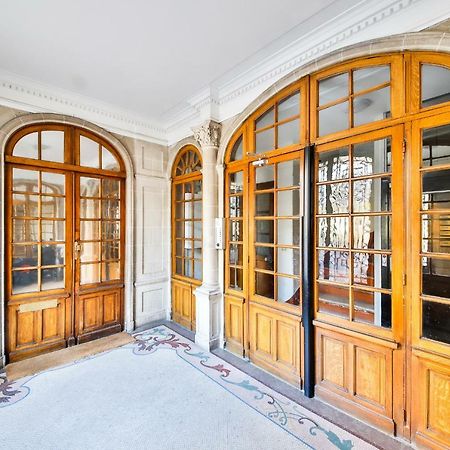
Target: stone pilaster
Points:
(208, 295)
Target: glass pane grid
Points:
(355, 267)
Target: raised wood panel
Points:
(234, 324)
(431, 400)
(355, 374)
(98, 314)
(35, 329)
(333, 364)
(275, 342)
(183, 303)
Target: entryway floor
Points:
(159, 392)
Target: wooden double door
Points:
(263, 261)
(64, 257)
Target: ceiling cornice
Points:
(323, 33)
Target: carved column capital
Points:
(208, 134)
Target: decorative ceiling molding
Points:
(336, 27)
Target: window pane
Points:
(179, 247)
(109, 161)
(289, 107)
(333, 232)
(288, 173)
(436, 277)
(53, 207)
(333, 165)
(436, 321)
(90, 251)
(110, 230)
(372, 232)
(52, 254)
(333, 265)
(372, 270)
(197, 189)
(372, 157)
(110, 271)
(236, 252)
(265, 119)
(264, 258)
(372, 195)
(25, 180)
(264, 284)
(288, 290)
(53, 230)
(236, 182)
(179, 192)
(236, 279)
(179, 266)
(288, 133)
(265, 177)
(236, 204)
(334, 300)
(52, 146)
(373, 106)
(288, 203)
(188, 229)
(265, 140)
(188, 270)
(333, 88)
(197, 209)
(89, 187)
(436, 189)
(436, 146)
(25, 230)
(333, 119)
(89, 230)
(373, 308)
(288, 261)
(53, 183)
(89, 153)
(111, 209)
(27, 146)
(333, 198)
(24, 256)
(436, 233)
(52, 278)
(198, 269)
(110, 250)
(435, 85)
(111, 188)
(24, 281)
(288, 231)
(264, 204)
(89, 209)
(198, 229)
(370, 77)
(236, 230)
(25, 205)
(236, 152)
(264, 230)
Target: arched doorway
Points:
(186, 234)
(65, 211)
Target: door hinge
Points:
(404, 147)
(404, 279)
(405, 416)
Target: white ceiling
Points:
(143, 55)
(154, 69)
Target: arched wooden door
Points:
(187, 235)
(65, 210)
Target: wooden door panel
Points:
(35, 327)
(98, 314)
(431, 400)
(183, 303)
(234, 324)
(275, 342)
(356, 374)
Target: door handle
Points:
(77, 249)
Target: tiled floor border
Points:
(315, 405)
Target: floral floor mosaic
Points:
(309, 430)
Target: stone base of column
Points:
(208, 302)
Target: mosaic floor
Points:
(161, 392)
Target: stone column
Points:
(208, 295)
